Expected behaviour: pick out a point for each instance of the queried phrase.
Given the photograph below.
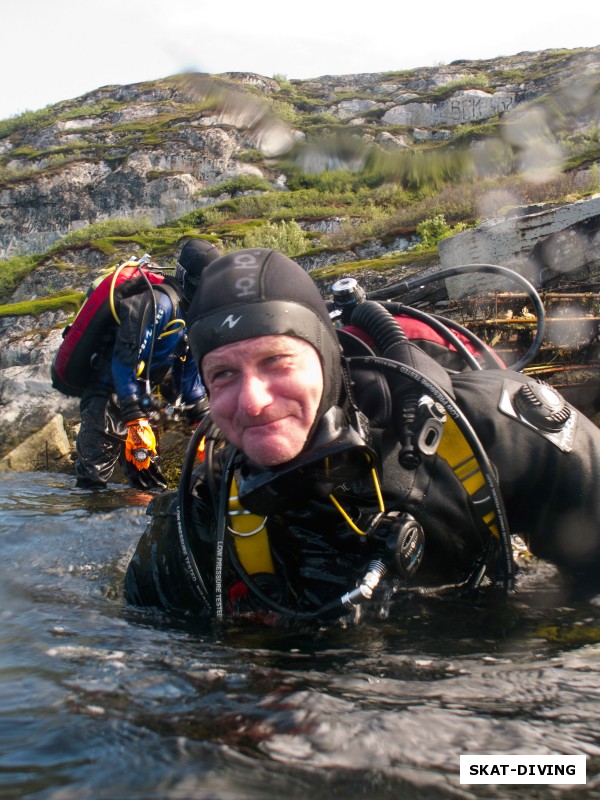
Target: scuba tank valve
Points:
(347, 294)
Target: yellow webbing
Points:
(455, 449)
(249, 536)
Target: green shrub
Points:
(241, 183)
(433, 230)
(32, 120)
(288, 237)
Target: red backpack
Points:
(83, 340)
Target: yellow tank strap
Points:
(455, 449)
(250, 536)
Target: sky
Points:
(55, 50)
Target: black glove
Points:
(196, 412)
(131, 408)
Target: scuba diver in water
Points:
(331, 471)
(145, 351)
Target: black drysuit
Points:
(549, 483)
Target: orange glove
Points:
(140, 446)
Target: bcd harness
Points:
(77, 356)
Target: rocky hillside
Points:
(362, 173)
(161, 150)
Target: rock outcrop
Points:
(150, 150)
(163, 149)
(546, 244)
(47, 449)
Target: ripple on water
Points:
(99, 701)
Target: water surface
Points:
(100, 701)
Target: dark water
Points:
(98, 701)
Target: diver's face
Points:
(264, 395)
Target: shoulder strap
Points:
(172, 292)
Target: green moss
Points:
(155, 174)
(250, 157)
(241, 183)
(61, 301)
(478, 81)
(381, 265)
(14, 270)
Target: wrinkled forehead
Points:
(260, 347)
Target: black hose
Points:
(183, 514)
(393, 343)
(493, 361)
(189, 561)
(390, 339)
(468, 432)
(415, 281)
(335, 606)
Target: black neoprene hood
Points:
(196, 254)
(259, 292)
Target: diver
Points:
(146, 351)
(330, 472)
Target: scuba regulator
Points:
(422, 410)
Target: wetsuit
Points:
(114, 397)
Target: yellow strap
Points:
(455, 449)
(250, 538)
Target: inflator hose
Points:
(468, 432)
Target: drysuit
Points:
(117, 394)
(548, 483)
(413, 475)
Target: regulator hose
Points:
(466, 429)
(335, 607)
(415, 281)
(207, 428)
(183, 511)
(390, 339)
